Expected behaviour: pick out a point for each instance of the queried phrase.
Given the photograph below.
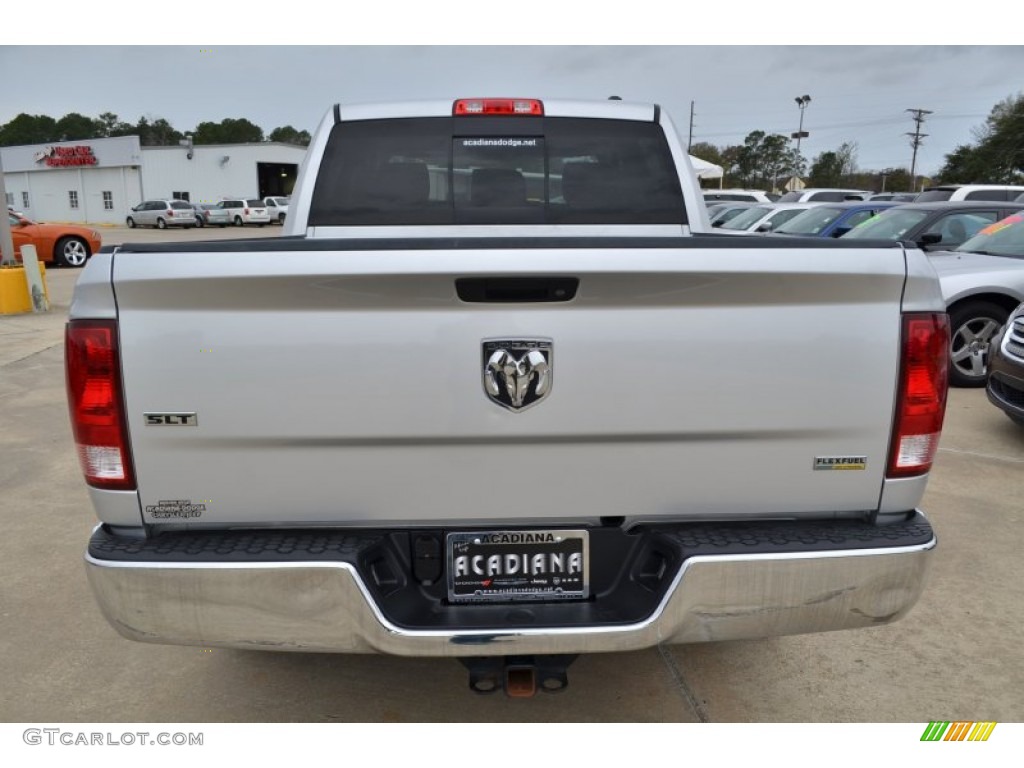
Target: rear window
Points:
(934, 195)
(734, 196)
(179, 206)
(999, 195)
(487, 170)
(255, 203)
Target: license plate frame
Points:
(535, 565)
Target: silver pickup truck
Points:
(500, 394)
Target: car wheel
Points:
(280, 219)
(260, 226)
(972, 327)
(199, 222)
(71, 252)
(131, 223)
(161, 224)
(238, 221)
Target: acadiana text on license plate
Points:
(518, 565)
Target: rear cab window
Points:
(497, 170)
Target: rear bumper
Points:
(277, 591)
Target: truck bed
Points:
(339, 382)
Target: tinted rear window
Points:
(988, 194)
(181, 206)
(496, 171)
(934, 195)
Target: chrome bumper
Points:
(325, 606)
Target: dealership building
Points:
(99, 180)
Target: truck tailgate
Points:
(347, 387)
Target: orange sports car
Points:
(65, 245)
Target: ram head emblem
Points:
(517, 372)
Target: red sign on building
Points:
(57, 157)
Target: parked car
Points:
(246, 211)
(823, 195)
(982, 282)
(162, 214)
(212, 214)
(1006, 368)
(277, 207)
(831, 219)
(898, 197)
(723, 212)
(63, 245)
(735, 195)
(764, 218)
(958, 192)
(933, 226)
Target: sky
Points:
(859, 93)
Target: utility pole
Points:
(915, 141)
(689, 142)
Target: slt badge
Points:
(517, 372)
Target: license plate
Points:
(498, 566)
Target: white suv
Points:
(958, 192)
(712, 196)
(246, 211)
(823, 195)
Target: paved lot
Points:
(956, 656)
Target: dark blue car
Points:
(832, 219)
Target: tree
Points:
(228, 131)
(826, 171)
(776, 159)
(28, 129)
(998, 154)
(74, 126)
(111, 125)
(847, 155)
(159, 133)
(288, 135)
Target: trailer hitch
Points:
(519, 677)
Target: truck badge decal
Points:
(170, 419)
(517, 373)
(840, 462)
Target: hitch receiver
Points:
(520, 677)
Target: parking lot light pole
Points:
(801, 102)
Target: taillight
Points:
(96, 403)
(170, 212)
(245, 211)
(498, 107)
(921, 396)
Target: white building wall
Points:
(41, 191)
(215, 170)
(131, 174)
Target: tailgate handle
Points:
(504, 290)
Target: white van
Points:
(822, 195)
(958, 192)
(712, 196)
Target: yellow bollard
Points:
(14, 293)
